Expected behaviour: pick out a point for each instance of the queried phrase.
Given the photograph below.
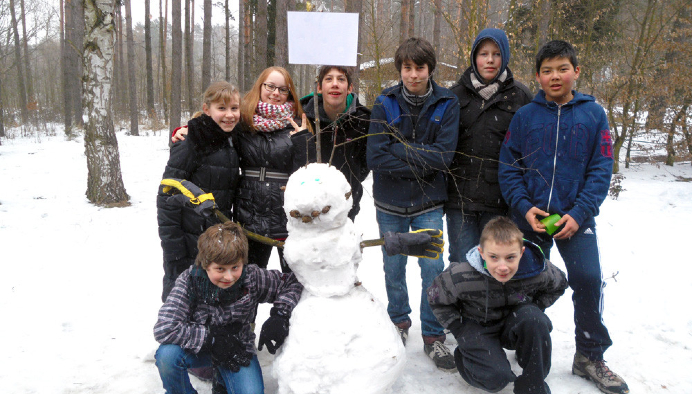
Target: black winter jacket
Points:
(207, 159)
(467, 290)
(260, 203)
(473, 184)
(350, 129)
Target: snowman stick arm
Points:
(254, 236)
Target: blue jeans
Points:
(173, 362)
(395, 270)
(464, 231)
(582, 260)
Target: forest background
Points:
(94, 67)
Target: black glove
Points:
(274, 329)
(227, 350)
(426, 243)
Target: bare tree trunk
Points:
(248, 68)
(78, 38)
(189, 61)
(119, 80)
(437, 26)
(227, 47)
(163, 34)
(27, 60)
(151, 110)
(206, 45)
(357, 7)
(176, 64)
(261, 44)
(241, 45)
(132, 78)
(412, 18)
(281, 29)
(404, 23)
(2, 115)
(18, 64)
(104, 183)
(64, 63)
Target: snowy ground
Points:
(81, 284)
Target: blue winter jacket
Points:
(409, 160)
(557, 158)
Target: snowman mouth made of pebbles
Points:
(341, 339)
(322, 248)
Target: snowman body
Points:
(341, 339)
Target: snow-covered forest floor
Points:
(80, 286)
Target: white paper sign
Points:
(323, 38)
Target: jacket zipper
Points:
(557, 139)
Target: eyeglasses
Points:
(270, 88)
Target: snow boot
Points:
(435, 348)
(599, 373)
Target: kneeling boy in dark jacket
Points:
(497, 300)
(207, 316)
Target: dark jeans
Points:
(582, 260)
(259, 253)
(481, 359)
(464, 231)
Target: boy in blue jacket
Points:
(411, 140)
(557, 158)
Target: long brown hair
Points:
(248, 105)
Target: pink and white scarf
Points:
(270, 117)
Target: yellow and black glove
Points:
(425, 243)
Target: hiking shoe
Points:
(441, 355)
(599, 373)
(402, 329)
(403, 333)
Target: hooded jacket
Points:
(409, 162)
(351, 130)
(467, 290)
(473, 183)
(558, 158)
(207, 159)
(185, 322)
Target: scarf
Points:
(414, 100)
(205, 292)
(487, 91)
(270, 117)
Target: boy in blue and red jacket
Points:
(557, 158)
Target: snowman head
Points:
(317, 197)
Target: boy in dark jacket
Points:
(488, 98)
(207, 316)
(411, 141)
(558, 159)
(497, 300)
(344, 125)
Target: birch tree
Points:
(104, 183)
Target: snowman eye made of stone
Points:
(348, 195)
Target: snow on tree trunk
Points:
(104, 183)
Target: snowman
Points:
(341, 338)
